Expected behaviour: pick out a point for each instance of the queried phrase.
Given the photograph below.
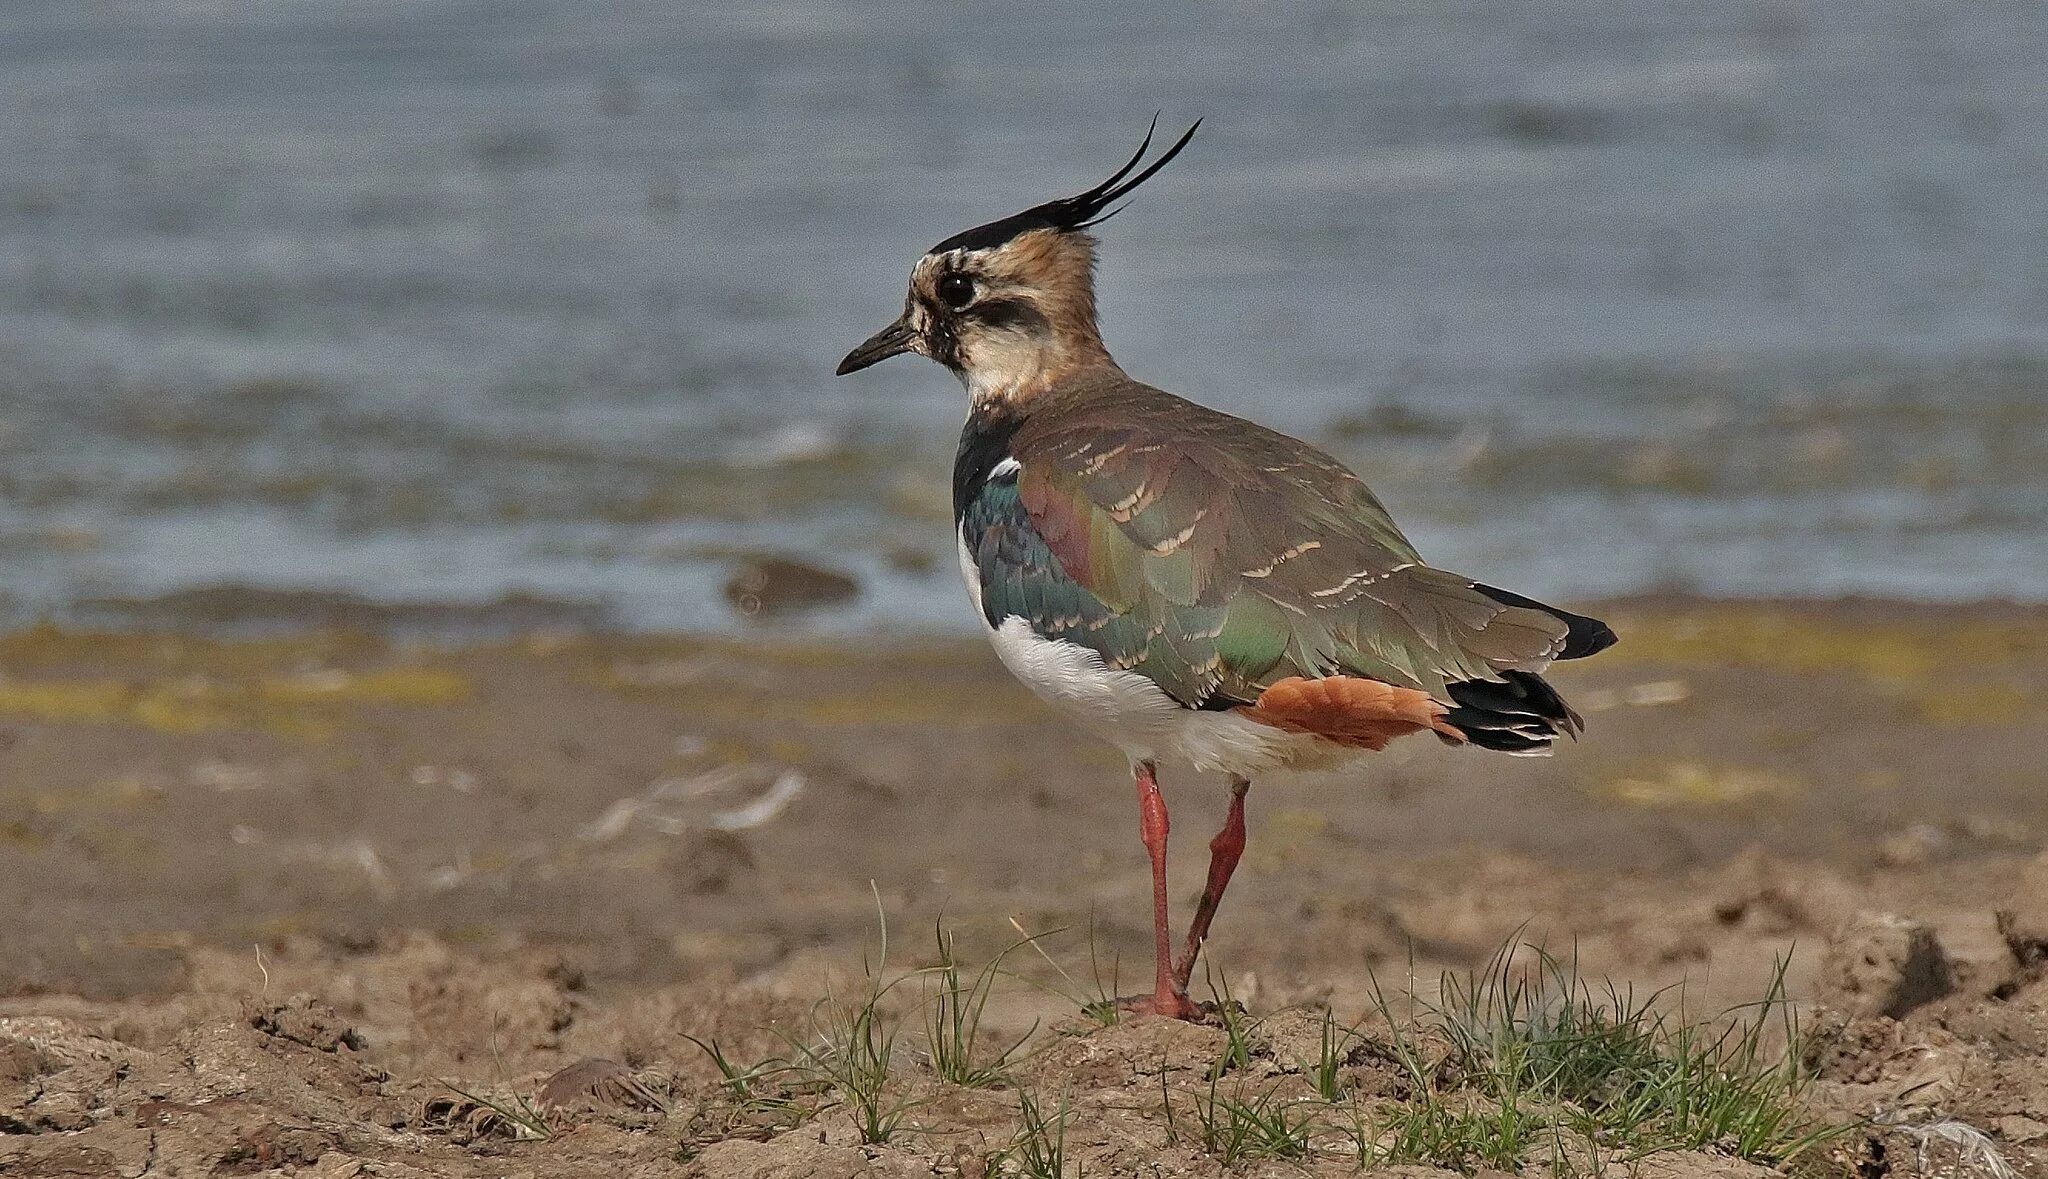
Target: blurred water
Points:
(436, 301)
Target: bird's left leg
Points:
(1167, 997)
(1224, 852)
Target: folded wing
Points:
(1220, 559)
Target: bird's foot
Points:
(1167, 1004)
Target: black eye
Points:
(956, 291)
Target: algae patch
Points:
(391, 685)
(88, 702)
(1897, 651)
(1973, 672)
(1691, 783)
(1980, 704)
(224, 688)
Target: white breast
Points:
(1131, 712)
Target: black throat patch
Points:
(984, 442)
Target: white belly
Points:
(1131, 712)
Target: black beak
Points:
(891, 340)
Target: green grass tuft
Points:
(1040, 1149)
(843, 1057)
(1336, 1047)
(1247, 1124)
(765, 1090)
(1238, 1029)
(953, 1008)
(850, 1048)
(1504, 1062)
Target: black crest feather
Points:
(1074, 212)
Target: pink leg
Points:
(1224, 852)
(1168, 996)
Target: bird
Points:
(1194, 587)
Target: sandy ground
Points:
(266, 904)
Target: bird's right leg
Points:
(1224, 852)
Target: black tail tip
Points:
(1583, 636)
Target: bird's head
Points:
(1010, 306)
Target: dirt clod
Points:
(2023, 919)
(2018, 1129)
(1884, 964)
(303, 1019)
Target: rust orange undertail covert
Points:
(1352, 711)
(1197, 588)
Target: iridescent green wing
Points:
(1216, 557)
(1017, 576)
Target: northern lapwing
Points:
(1194, 587)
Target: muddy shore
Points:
(483, 862)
